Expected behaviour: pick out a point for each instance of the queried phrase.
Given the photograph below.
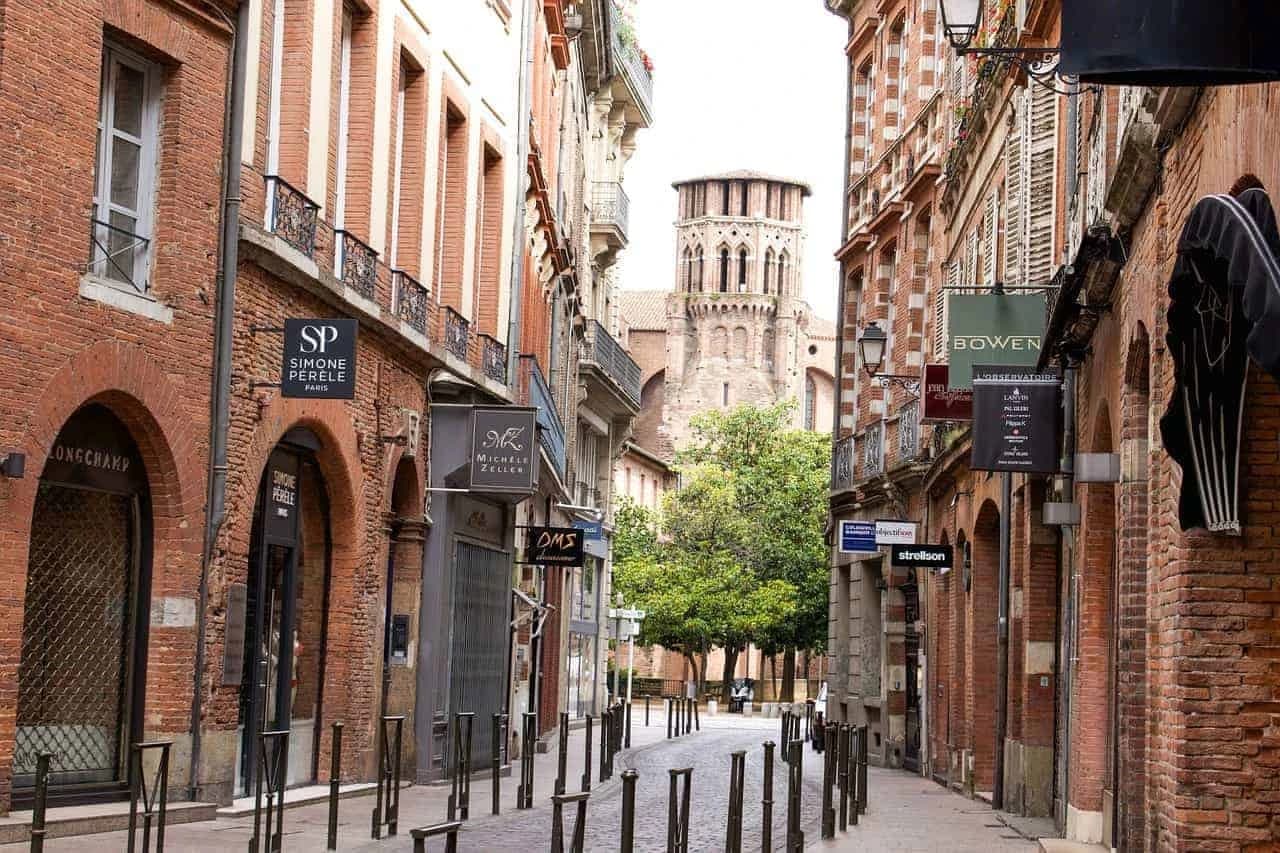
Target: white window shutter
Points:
(1014, 202)
(990, 238)
(940, 326)
(1043, 184)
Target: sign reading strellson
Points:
(1016, 417)
(992, 328)
(504, 449)
(555, 546)
(921, 556)
(319, 359)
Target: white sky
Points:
(739, 84)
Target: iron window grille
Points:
(842, 464)
(909, 431)
(291, 216)
(409, 300)
(457, 334)
(115, 251)
(495, 358)
(873, 450)
(357, 263)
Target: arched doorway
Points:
(287, 609)
(84, 632)
(914, 676)
(983, 603)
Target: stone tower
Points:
(737, 329)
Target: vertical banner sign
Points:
(941, 402)
(319, 359)
(1016, 419)
(281, 522)
(504, 451)
(992, 328)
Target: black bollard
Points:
(766, 802)
(668, 702)
(460, 786)
(335, 782)
(795, 783)
(578, 842)
(528, 734)
(606, 720)
(737, 782)
(828, 783)
(154, 797)
(808, 719)
(862, 771)
(842, 761)
(785, 733)
(41, 800)
(586, 763)
(628, 744)
(386, 810)
(562, 760)
(678, 811)
(646, 711)
(448, 830)
(273, 764)
(499, 729)
(855, 737)
(819, 733)
(629, 778)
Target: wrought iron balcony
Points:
(909, 431)
(291, 216)
(842, 464)
(550, 426)
(495, 358)
(356, 263)
(614, 361)
(610, 207)
(409, 300)
(873, 450)
(457, 334)
(630, 65)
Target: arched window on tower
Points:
(768, 268)
(724, 198)
(742, 270)
(782, 273)
(687, 260)
(810, 402)
(742, 199)
(697, 275)
(724, 270)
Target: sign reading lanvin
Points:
(992, 328)
(319, 359)
(504, 449)
(1015, 420)
(555, 546)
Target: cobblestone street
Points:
(905, 812)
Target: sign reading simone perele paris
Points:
(941, 401)
(319, 359)
(504, 449)
(1016, 417)
(992, 328)
(921, 556)
(554, 546)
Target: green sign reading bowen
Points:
(992, 328)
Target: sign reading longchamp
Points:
(319, 359)
(992, 328)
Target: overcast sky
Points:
(739, 84)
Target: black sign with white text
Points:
(504, 449)
(319, 359)
(922, 556)
(281, 487)
(555, 546)
(1016, 419)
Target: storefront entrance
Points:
(911, 616)
(84, 631)
(286, 611)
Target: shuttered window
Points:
(1041, 131)
(990, 238)
(940, 326)
(1014, 194)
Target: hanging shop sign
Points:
(590, 529)
(281, 509)
(941, 402)
(554, 546)
(1016, 420)
(1170, 42)
(895, 532)
(504, 449)
(319, 359)
(1224, 308)
(921, 556)
(992, 328)
(858, 537)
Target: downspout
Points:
(224, 313)
(523, 118)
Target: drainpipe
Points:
(523, 111)
(1067, 670)
(1002, 631)
(228, 251)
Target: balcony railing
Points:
(494, 357)
(409, 300)
(627, 59)
(356, 263)
(873, 450)
(610, 206)
(457, 334)
(291, 216)
(892, 173)
(550, 427)
(614, 361)
(909, 431)
(842, 464)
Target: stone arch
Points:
(740, 342)
(980, 698)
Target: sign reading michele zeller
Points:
(319, 359)
(504, 449)
(992, 328)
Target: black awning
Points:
(1224, 308)
(1171, 42)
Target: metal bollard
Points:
(819, 733)
(557, 822)
(666, 700)
(460, 786)
(828, 783)
(628, 743)
(606, 720)
(448, 830)
(855, 737)
(387, 808)
(842, 762)
(629, 778)
(335, 782)
(737, 782)
(41, 799)
(499, 730)
(273, 764)
(562, 759)
(766, 802)
(784, 732)
(586, 763)
(808, 719)
(528, 734)
(154, 797)
(862, 771)
(646, 712)
(678, 811)
(795, 783)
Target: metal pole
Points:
(524, 792)
(766, 802)
(842, 761)
(499, 723)
(828, 784)
(335, 781)
(628, 714)
(606, 720)
(862, 770)
(668, 702)
(737, 781)
(646, 711)
(795, 778)
(855, 801)
(562, 760)
(629, 778)
(696, 724)
(631, 663)
(1002, 640)
(586, 763)
(41, 797)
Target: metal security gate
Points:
(77, 636)
(479, 640)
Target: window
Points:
(810, 402)
(451, 204)
(688, 270)
(742, 270)
(768, 268)
(724, 270)
(344, 122)
(782, 273)
(724, 198)
(698, 273)
(725, 395)
(782, 202)
(125, 173)
(742, 199)
(489, 243)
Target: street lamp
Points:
(872, 344)
(961, 21)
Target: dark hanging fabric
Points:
(1224, 308)
(1171, 42)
